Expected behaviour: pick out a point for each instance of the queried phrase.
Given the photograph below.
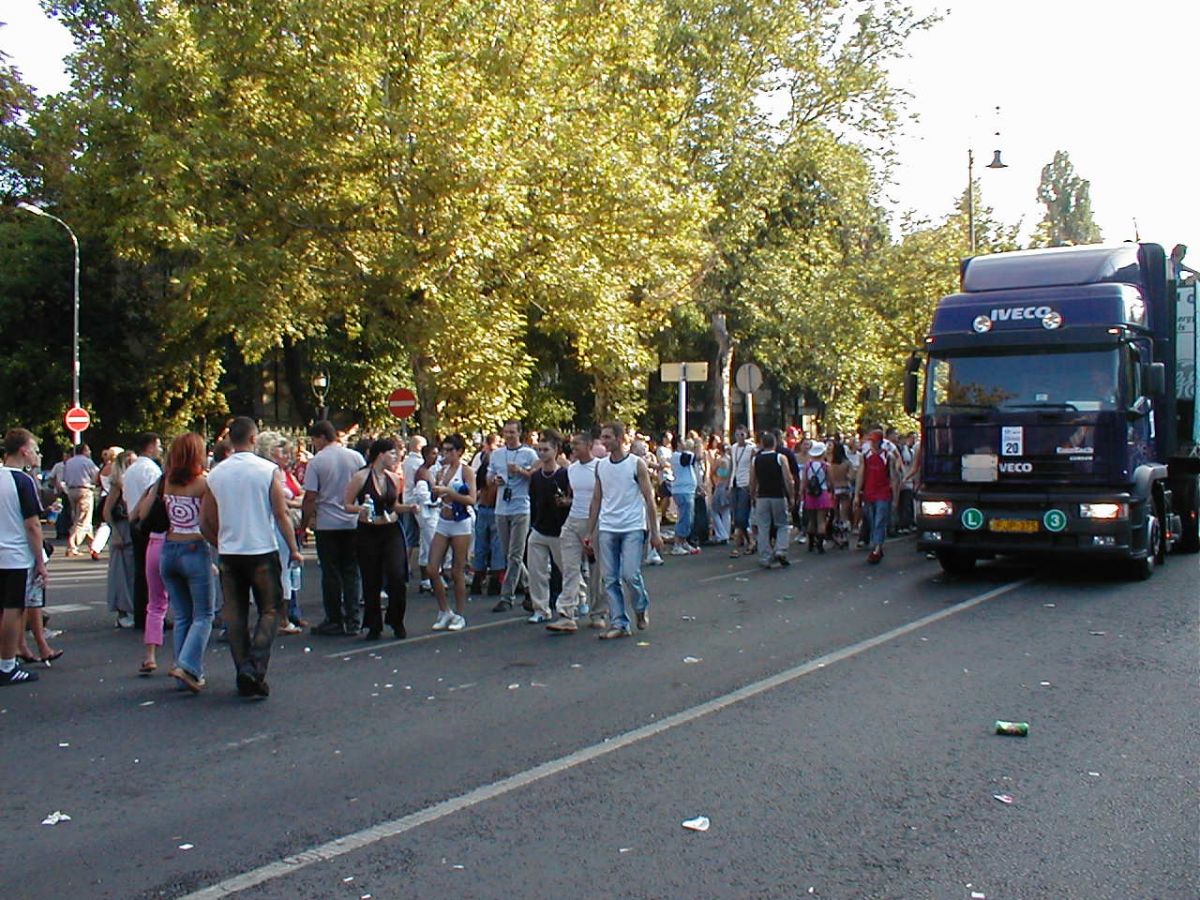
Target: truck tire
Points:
(1142, 569)
(1187, 504)
(955, 562)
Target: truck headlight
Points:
(1103, 510)
(937, 508)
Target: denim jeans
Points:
(877, 512)
(341, 582)
(740, 499)
(489, 555)
(685, 505)
(241, 576)
(187, 573)
(621, 562)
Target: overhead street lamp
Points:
(320, 384)
(996, 163)
(38, 211)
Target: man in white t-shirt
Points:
(413, 460)
(325, 480)
(741, 456)
(580, 595)
(20, 547)
(242, 510)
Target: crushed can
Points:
(1017, 729)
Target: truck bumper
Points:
(1042, 524)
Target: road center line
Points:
(384, 830)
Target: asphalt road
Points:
(835, 728)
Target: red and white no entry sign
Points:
(402, 403)
(77, 419)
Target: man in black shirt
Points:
(771, 491)
(549, 504)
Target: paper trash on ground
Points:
(55, 817)
(700, 823)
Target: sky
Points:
(1113, 84)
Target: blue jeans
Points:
(186, 571)
(685, 505)
(621, 561)
(878, 512)
(489, 556)
(740, 497)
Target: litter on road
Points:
(55, 817)
(693, 659)
(700, 823)
(186, 846)
(1006, 799)
(1016, 729)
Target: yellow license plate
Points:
(1014, 526)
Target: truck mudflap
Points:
(970, 525)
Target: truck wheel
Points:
(1141, 569)
(1187, 504)
(955, 563)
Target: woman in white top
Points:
(454, 488)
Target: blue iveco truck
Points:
(1058, 411)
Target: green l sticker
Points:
(972, 519)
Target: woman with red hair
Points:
(184, 564)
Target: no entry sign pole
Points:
(77, 421)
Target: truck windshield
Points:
(1079, 381)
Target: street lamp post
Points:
(996, 163)
(320, 384)
(38, 211)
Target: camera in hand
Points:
(507, 495)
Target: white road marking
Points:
(372, 646)
(69, 608)
(384, 830)
(738, 574)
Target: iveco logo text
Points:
(1021, 312)
(1016, 468)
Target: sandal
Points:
(147, 667)
(52, 656)
(735, 553)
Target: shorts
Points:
(741, 508)
(12, 588)
(451, 528)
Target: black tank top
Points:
(768, 472)
(384, 503)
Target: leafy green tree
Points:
(1067, 198)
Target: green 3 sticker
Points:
(972, 519)
(1054, 520)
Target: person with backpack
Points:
(818, 496)
(873, 494)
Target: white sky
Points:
(1112, 83)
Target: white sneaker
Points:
(425, 585)
(443, 621)
(457, 622)
(677, 550)
(654, 559)
(538, 619)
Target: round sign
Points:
(1054, 520)
(402, 403)
(972, 519)
(77, 419)
(748, 378)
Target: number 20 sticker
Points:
(1012, 440)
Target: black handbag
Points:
(156, 521)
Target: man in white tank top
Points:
(622, 514)
(242, 508)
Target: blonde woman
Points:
(120, 545)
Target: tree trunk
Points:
(299, 388)
(722, 377)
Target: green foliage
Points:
(1067, 197)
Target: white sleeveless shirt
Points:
(622, 506)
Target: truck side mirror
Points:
(910, 392)
(1154, 379)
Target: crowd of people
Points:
(559, 524)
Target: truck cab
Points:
(1047, 424)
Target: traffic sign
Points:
(402, 403)
(748, 378)
(683, 371)
(77, 419)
